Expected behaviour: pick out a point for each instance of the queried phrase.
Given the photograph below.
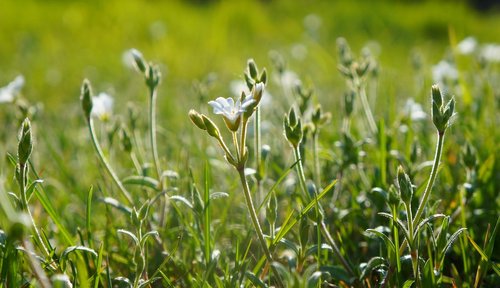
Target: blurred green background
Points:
(55, 44)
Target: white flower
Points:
(491, 52)
(9, 92)
(230, 110)
(238, 86)
(444, 71)
(414, 110)
(102, 106)
(467, 46)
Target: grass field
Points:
(341, 165)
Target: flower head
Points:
(231, 110)
(102, 106)
(9, 92)
(444, 71)
(467, 46)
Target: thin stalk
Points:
(258, 156)
(107, 166)
(321, 224)
(239, 153)
(24, 202)
(243, 138)
(396, 237)
(428, 188)
(258, 144)
(317, 168)
(256, 224)
(300, 172)
(152, 129)
(336, 249)
(367, 110)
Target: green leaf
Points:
(315, 279)
(116, 204)
(255, 280)
(313, 249)
(451, 240)
(372, 264)
(427, 220)
(130, 234)
(388, 242)
(142, 181)
(182, 200)
(408, 283)
(71, 249)
(400, 224)
(486, 169)
(217, 195)
(289, 222)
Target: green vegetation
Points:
(355, 144)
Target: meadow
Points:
(249, 144)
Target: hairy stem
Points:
(367, 110)
(152, 129)
(107, 166)
(432, 178)
(255, 222)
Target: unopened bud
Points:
(405, 186)
(25, 145)
(437, 97)
(263, 76)
(252, 69)
(210, 127)
(197, 119)
(86, 99)
(139, 61)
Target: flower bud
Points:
(139, 61)
(405, 186)
(469, 156)
(153, 76)
(293, 128)
(263, 76)
(25, 145)
(437, 97)
(197, 119)
(257, 92)
(125, 140)
(448, 110)
(393, 196)
(86, 99)
(349, 102)
(272, 209)
(252, 69)
(210, 127)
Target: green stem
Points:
(396, 237)
(239, 154)
(258, 155)
(367, 110)
(300, 172)
(336, 249)
(428, 188)
(152, 129)
(317, 168)
(107, 166)
(24, 179)
(255, 222)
